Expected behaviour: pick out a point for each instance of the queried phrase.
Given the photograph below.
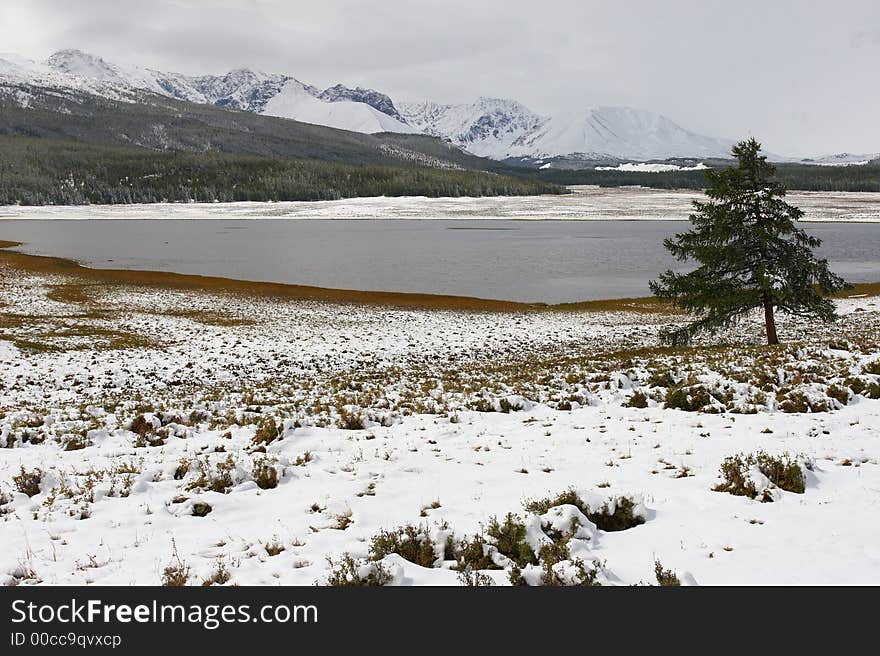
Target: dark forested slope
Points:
(40, 171)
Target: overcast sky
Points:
(802, 76)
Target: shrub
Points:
(840, 394)
(216, 479)
(200, 509)
(556, 572)
(471, 578)
(735, 477)
(797, 402)
(351, 418)
(141, 426)
(182, 469)
(507, 407)
(637, 400)
(413, 543)
(176, 573)
(689, 399)
(348, 572)
(783, 472)
(219, 576)
(267, 432)
(872, 368)
(569, 497)
(661, 379)
(509, 537)
(146, 432)
(471, 554)
(75, 443)
(343, 520)
(665, 577)
(621, 518)
(274, 548)
(617, 514)
(857, 385)
(580, 577)
(482, 404)
(28, 482)
(867, 389)
(264, 474)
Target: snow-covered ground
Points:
(153, 414)
(586, 203)
(645, 167)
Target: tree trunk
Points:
(769, 321)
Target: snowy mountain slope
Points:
(503, 128)
(488, 127)
(19, 77)
(841, 159)
(297, 101)
(371, 97)
(241, 89)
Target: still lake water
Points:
(532, 261)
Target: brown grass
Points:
(208, 318)
(861, 289)
(176, 281)
(70, 293)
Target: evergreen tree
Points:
(751, 254)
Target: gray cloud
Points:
(799, 76)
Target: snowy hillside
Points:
(619, 132)
(18, 75)
(504, 128)
(842, 159)
(241, 440)
(242, 89)
(297, 101)
(379, 101)
(489, 127)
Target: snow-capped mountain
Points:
(490, 127)
(18, 74)
(242, 89)
(303, 103)
(504, 129)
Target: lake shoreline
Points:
(45, 264)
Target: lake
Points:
(531, 261)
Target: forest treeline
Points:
(802, 177)
(40, 171)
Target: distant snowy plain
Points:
(585, 203)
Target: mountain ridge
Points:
(488, 127)
(501, 129)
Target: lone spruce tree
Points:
(751, 254)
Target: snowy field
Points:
(166, 436)
(586, 203)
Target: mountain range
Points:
(498, 129)
(489, 127)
